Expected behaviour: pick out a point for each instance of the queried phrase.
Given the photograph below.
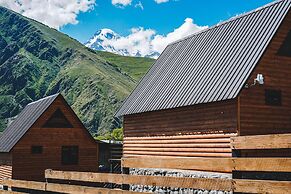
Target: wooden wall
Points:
(32, 166)
(179, 132)
(256, 117)
(5, 165)
(204, 118)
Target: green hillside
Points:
(36, 61)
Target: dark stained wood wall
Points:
(32, 166)
(256, 117)
(186, 131)
(216, 117)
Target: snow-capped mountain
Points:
(104, 39)
(100, 40)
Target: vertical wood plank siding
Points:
(212, 118)
(32, 166)
(256, 116)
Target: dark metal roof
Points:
(212, 65)
(28, 116)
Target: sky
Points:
(148, 25)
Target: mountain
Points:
(103, 40)
(99, 40)
(36, 61)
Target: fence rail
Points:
(269, 164)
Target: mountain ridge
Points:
(36, 61)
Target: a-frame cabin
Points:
(47, 134)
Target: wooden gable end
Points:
(52, 140)
(266, 109)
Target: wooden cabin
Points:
(232, 79)
(47, 134)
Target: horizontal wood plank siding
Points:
(207, 145)
(218, 117)
(257, 117)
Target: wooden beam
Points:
(211, 164)
(198, 136)
(167, 141)
(181, 182)
(74, 189)
(185, 145)
(206, 150)
(262, 164)
(180, 154)
(278, 141)
(24, 184)
(181, 163)
(261, 186)
(9, 192)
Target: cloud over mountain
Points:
(140, 41)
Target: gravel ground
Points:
(178, 173)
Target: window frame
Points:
(36, 149)
(70, 155)
(270, 95)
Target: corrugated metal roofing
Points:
(212, 65)
(28, 116)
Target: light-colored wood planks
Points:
(74, 189)
(198, 145)
(277, 141)
(182, 163)
(261, 186)
(182, 182)
(198, 136)
(212, 164)
(62, 188)
(24, 184)
(262, 164)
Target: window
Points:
(36, 149)
(70, 155)
(58, 120)
(273, 97)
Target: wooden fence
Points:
(264, 164)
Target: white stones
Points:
(178, 173)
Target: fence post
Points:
(125, 171)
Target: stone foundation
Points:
(177, 173)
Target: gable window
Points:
(58, 120)
(70, 155)
(36, 149)
(273, 97)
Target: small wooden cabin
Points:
(230, 79)
(47, 134)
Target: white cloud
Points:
(161, 1)
(146, 42)
(160, 42)
(54, 13)
(121, 3)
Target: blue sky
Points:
(144, 27)
(163, 17)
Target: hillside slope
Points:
(36, 61)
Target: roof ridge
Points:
(229, 20)
(41, 99)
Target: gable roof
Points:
(27, 117)
(209, 66)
